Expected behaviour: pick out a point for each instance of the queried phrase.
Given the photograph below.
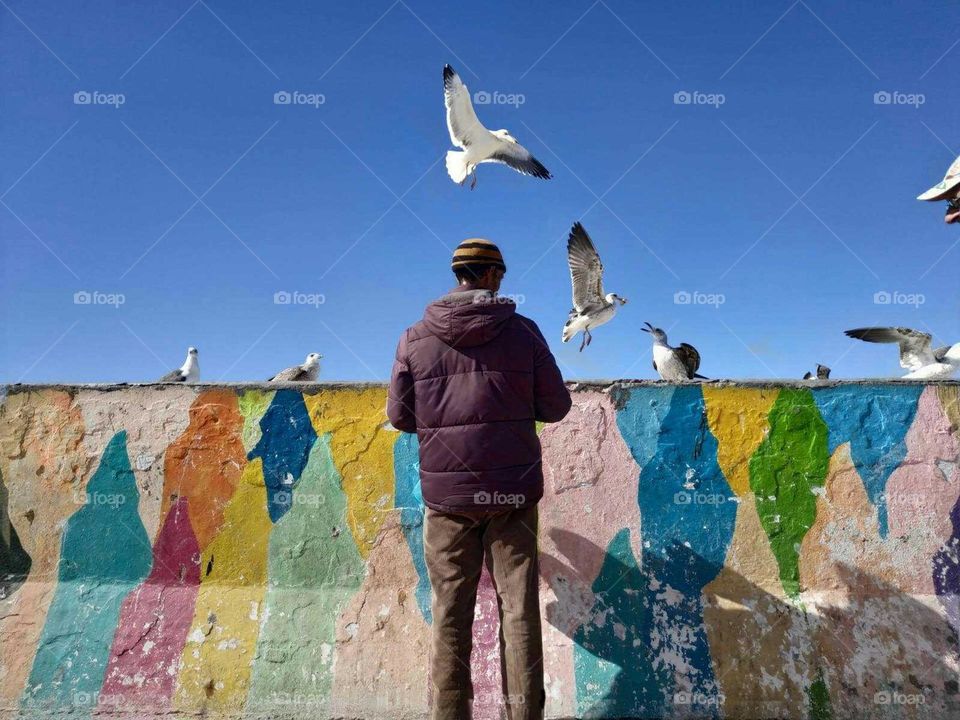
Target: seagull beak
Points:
(623, 301)
(648, 328)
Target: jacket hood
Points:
(467, 317)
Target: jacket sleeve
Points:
(400, 397)
(550, 396)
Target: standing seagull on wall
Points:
(189, 372)
(673, 363)
(916, 351)
(479, 144)
(308, 372)
(823, 373)
(591, 307)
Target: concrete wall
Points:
(715, 550)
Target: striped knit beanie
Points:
(477, 251)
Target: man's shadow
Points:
(744, 651)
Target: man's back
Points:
(471, 379)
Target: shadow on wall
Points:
(14, 560)
(848, 657)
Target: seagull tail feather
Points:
(457, 166)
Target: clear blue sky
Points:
(694, 197)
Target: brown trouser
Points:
(455, 546)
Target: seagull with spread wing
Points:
(917, 353)
(479, 145)
(591, 306)
(673, 363)
(309, 371)
(189, 372)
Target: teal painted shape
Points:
(688, 512)
(875, 420)
(406, 464)
(314, 568)
(611, 656)
(105, 553)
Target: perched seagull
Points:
(189, 372)
(947, 189)
(673, 363)
(479, 144)
(308, 372)
(823, 373)
(591, 307)
(916, 351)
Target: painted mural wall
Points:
(712, 551)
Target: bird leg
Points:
(589, 337)
(473, 183)
(583, 342)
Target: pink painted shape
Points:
(922, 490)
(590, 494)
(485, 659)
(154, 621)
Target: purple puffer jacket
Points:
(471, 379)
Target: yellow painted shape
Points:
(253, 404)
(362, 449)
(738, 420)
(950, 400)
(217, 657)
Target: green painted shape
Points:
(252, 405)
(820, 708)
(790, 462)
(105, 553)
(314, 569)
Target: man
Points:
(471, 379)
(948, 189)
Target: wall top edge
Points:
(598, 384)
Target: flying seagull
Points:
(916, 351)
(591, 307)
(479, 145)
(673, 363)
(947, 189)
(823, 373)
(308, 372)
(189, 372)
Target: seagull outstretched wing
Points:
(462, 122)
(915, 350)
(519, 158)
(586, 270)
